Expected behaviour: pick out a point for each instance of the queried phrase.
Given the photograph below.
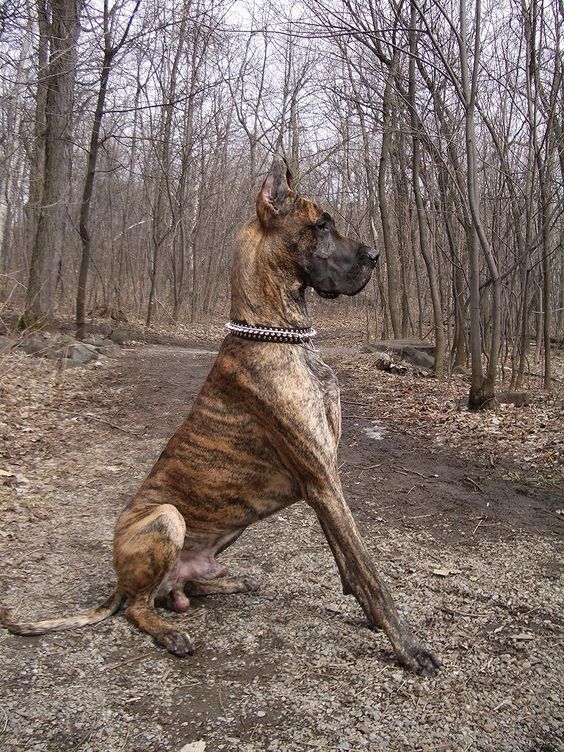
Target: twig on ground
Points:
(409, 471)
(399, 470)
(86, 738)
(455, 612)
(220, 698)
(124, 745)
(352, 402)
(501, 705)
(482, 519)
(472, 482)
(359, 417)
(367, 467)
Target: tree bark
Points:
(482, 391)
(49, 237)
(91, 161)
(438, 365)
(391, 264)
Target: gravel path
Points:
(293, 666)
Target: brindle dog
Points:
(262, 434)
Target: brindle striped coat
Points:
(262, 434)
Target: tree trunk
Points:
(482, 391)
(160, 230)
(391, 264)
(560, 316)
(92, 158)
(110, 51)
(49, 241)
(438, 365)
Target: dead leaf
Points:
(6, 474)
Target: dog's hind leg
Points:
(221, 585)
(145, 553)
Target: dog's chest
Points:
(323, 374)
(327, 382)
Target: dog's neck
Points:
(262, 293)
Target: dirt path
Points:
(471, 558)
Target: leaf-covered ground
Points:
(460, 511)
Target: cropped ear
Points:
(274, 198)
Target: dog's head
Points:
(309, 241)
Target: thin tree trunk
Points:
(110, 51)
(391, 264)
(32, 207)
(560, 315)
(92, 158)
(438, 365)
(482, 391)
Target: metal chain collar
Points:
(298, 336)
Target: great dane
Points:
(261, 435)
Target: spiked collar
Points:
(297, 336)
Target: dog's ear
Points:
(274, 199)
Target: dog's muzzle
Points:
(372, 255)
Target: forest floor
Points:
(462, 513)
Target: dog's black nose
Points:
(371, 254)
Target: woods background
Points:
(134, 136)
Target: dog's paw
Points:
(178, 643)
(249, 584)
(420, 661)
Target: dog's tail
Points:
(108, 608)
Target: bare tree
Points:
(110, 48)
(421, 219)
(49, 234)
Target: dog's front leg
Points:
(338, 555)
(359, 576)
